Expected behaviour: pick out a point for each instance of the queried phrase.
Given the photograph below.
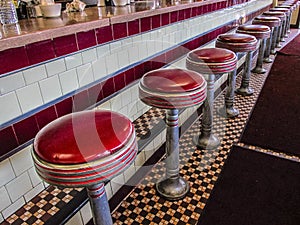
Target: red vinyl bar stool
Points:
(273, 23)
(262, 33)
(238, 43)
(282, 17)
(86, 149)
(172, 89)
(285, 22)
(210, 61)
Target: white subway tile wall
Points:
(29, 97)
(50, 89)
(56, 67)
(79, 69)
(10, 107)
(11, 83)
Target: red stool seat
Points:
(172, 88)
(237, 42)
(211, 60)
(284, 10)
(84, 148)
(258, 31)
(280, 15)
(270, 21)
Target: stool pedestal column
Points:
(228, 109)
(99, 205)
(274, 40)
(172, 187)
(244, 89)
(258, 68)
(206, 139)
(267, 53)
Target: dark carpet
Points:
(254, 189)
(293, 47)
(275, 120)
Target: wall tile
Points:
(10, 108)
(86, 39)
(99, 68)
(34, 192)
(29, 125)
(108, 87)
(75, 220)
(65, 45)
(18, 187)
(119, 30)
(155, 21)
(104, 34)
(123, 58)
(8, 140)
(55, 67)
(45, 116)
(181, 15)
(73, 61)
(165, 19)
(129, 76)
(133, 27)
(85, 74)
(68, 81)
(4, 199)
(40, 51)
(89, 55)
(145, 24)
(103, 51)
(21, 161)
(81, 101)
(64, 107)
(174, 16)
(108, 190)
(86, 213)
(7, 174)
(34, 177)
(35, 74)
(95, 93)
(11, 82)
(119, 81)
(50, 89)
(9, 62)
(13, 207)
(112, 63)
(117, 182)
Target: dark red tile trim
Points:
(12, 59)
(156, 21)
(119, 30)
(13, 136)
(45, 116)
(8, 140)
(145, 24)
(40, 51)
(26, 129)
(86, 39)
(104, 34)
(65, 45)
(133, 27)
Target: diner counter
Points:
(33, 30)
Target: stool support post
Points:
(228, 109)
(267, 53)
(206, 139)
(172, 187)
(99, 205)
(283, 30)
(287, 25)
(278, 45)
(274, 39)
(244, 89)
(258, 68)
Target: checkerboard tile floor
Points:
(200, 167)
